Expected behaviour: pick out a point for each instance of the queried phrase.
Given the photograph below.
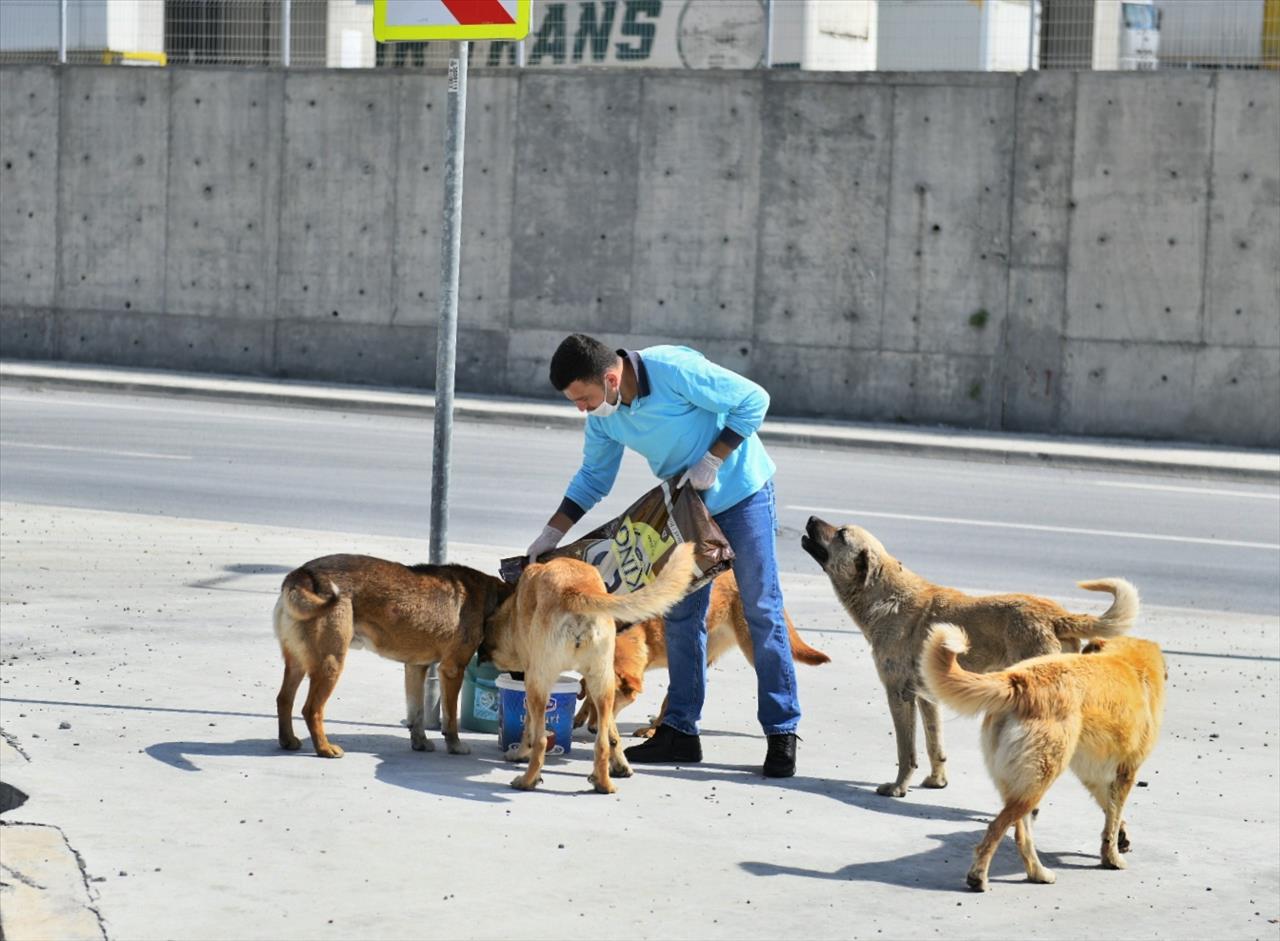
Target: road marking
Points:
(67, 447)
(1207, 490)
(1119, 534)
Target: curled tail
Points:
(801, 651)
(651, 601)
(1116, 620)
(965, 692)
(305, 595)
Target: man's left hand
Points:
(702, 474)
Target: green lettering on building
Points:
(644, 32)
(551, 36)
(595, 29)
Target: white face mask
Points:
(606, 408)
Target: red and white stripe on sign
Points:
(479, 12)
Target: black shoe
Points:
(668, 746)
(780, 760)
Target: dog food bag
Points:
(631, 549)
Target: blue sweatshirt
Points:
(683, 405)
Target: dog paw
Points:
(329, 751)
(422, 744)
(602, 786)
(523, 784)
(976, 881)
(621, 770)
(646, 732)
(1043, 877)
(892, 790)
(291, 743)
(1113, 861)
(458, 747)
(935, 781)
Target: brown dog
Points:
(417, 616)
(894, 607)
(643, 647)
(562, 618)
(1098, 713)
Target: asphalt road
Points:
(140, 554)
(1189, 543)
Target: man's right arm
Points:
(601, 458)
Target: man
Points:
(684, 413)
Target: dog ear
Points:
(862, 566)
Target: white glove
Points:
(703, 474)
(547, 540)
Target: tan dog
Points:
(562, 618)
(417, 616)
(1098, 713)
(643, 647)
(894, 607)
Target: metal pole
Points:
(62, 32)
(768, 34)
(1031, 35)
(447, 333)
(286, 26)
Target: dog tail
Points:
(651, 601)
(965, 692)
(306, 596)
(1116, 620)
(801, 651)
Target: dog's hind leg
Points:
(902, 706)
(932, 720)
(324, 678)
(293, 674)
(1112, 829)
(450, 687)
(1027, 849)
(536, 694)
(415, 675)
(1014, 810)
(608, 756)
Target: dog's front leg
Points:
(902, 706)
(932, 719)
(415, 675)
(450, 686)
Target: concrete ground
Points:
(137, 707)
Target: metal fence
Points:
(812, 34)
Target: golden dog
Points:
(562, 618)
(643, 647)
(894, 608)
(1098, 713)
(417, 616)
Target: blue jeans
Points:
(750, 527)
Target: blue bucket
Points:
(561, 706)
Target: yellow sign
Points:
(423, 20)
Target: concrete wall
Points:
(1057, 252)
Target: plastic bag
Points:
(632, 548)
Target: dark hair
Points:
(579, 357)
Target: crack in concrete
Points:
(22, 878)
(12, 741)
(90, 894)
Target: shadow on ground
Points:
(941, 868)
(465, 777)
